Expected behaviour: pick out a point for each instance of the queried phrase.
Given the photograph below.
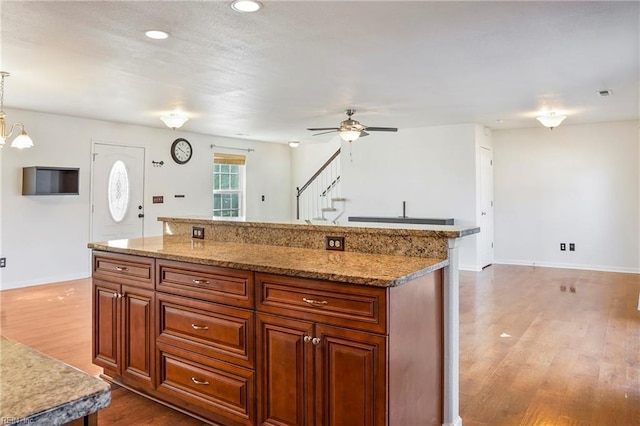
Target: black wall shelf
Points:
(40, 180)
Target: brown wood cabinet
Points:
(123, 319)
(236, 347)
(339, 374)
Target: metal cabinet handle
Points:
(315, 302)
(199, 327)
(118, 295)
(315, 340)
(122, 268)
(200, 281)
(199, 382)
(307, 339)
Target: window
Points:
(228, 185)
(118, 191)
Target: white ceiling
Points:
(297, 64)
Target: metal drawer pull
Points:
(307, 339)
(199, 382)
(199, 327)
(122, 268)
(200, 282)
(315, 302)
(118, 295)
(315, 341)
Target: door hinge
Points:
(93, 209)
(491, 203)
(491, 245)
(491, 162)
(94, 156)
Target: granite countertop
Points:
(442, 231)
(38, 390)
(347, 267)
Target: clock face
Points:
(181, 151)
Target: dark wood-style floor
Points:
(538, 346)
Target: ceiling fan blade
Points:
(316, 129)
(323, 133)
(381, 129)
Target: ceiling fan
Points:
(351, 129)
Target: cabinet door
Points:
(284, 371)
(138, 339)
(106, 326)
(350, 377)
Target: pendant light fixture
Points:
(551, 120)
(22, 140)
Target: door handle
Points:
(483, 213)
(140, 215)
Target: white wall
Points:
(575, 184)
(44, 238)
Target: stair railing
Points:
(315, 194)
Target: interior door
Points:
(117, 192)
(486, 203)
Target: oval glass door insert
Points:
(118, 191)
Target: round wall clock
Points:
(181, 151)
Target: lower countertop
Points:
(38, 390)
(348, 267)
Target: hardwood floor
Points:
(543, 346)
(530, 353)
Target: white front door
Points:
(117, 192)
(486, 205)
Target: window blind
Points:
(238, 160)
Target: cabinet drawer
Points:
(223, 285)
(213, 330)
(359, 307)
(224, 391)
(124, 268)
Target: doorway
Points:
(486, 206)
(117, 192)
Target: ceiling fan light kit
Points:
(22, 140)
(174, 120)
(350, 129)
(294, 144)
(551, 119)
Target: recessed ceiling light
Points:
(157, 34)
(246, 5)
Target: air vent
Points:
(605, 93)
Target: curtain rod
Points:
(230, 147)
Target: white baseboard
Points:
(41, 281)
(472, 268)
(600, 268)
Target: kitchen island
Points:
(256, 323)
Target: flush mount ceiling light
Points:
(294, 144)
(551, 119)
(22, 140)
(157, 34)
(175, 119)
(246, 6)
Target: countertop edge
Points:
(71, 410)
(440, 231)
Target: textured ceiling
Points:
(297, 64)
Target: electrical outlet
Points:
(334, 243)
(197, 232)
(563, 247)
(572, 247)
(3, 262)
